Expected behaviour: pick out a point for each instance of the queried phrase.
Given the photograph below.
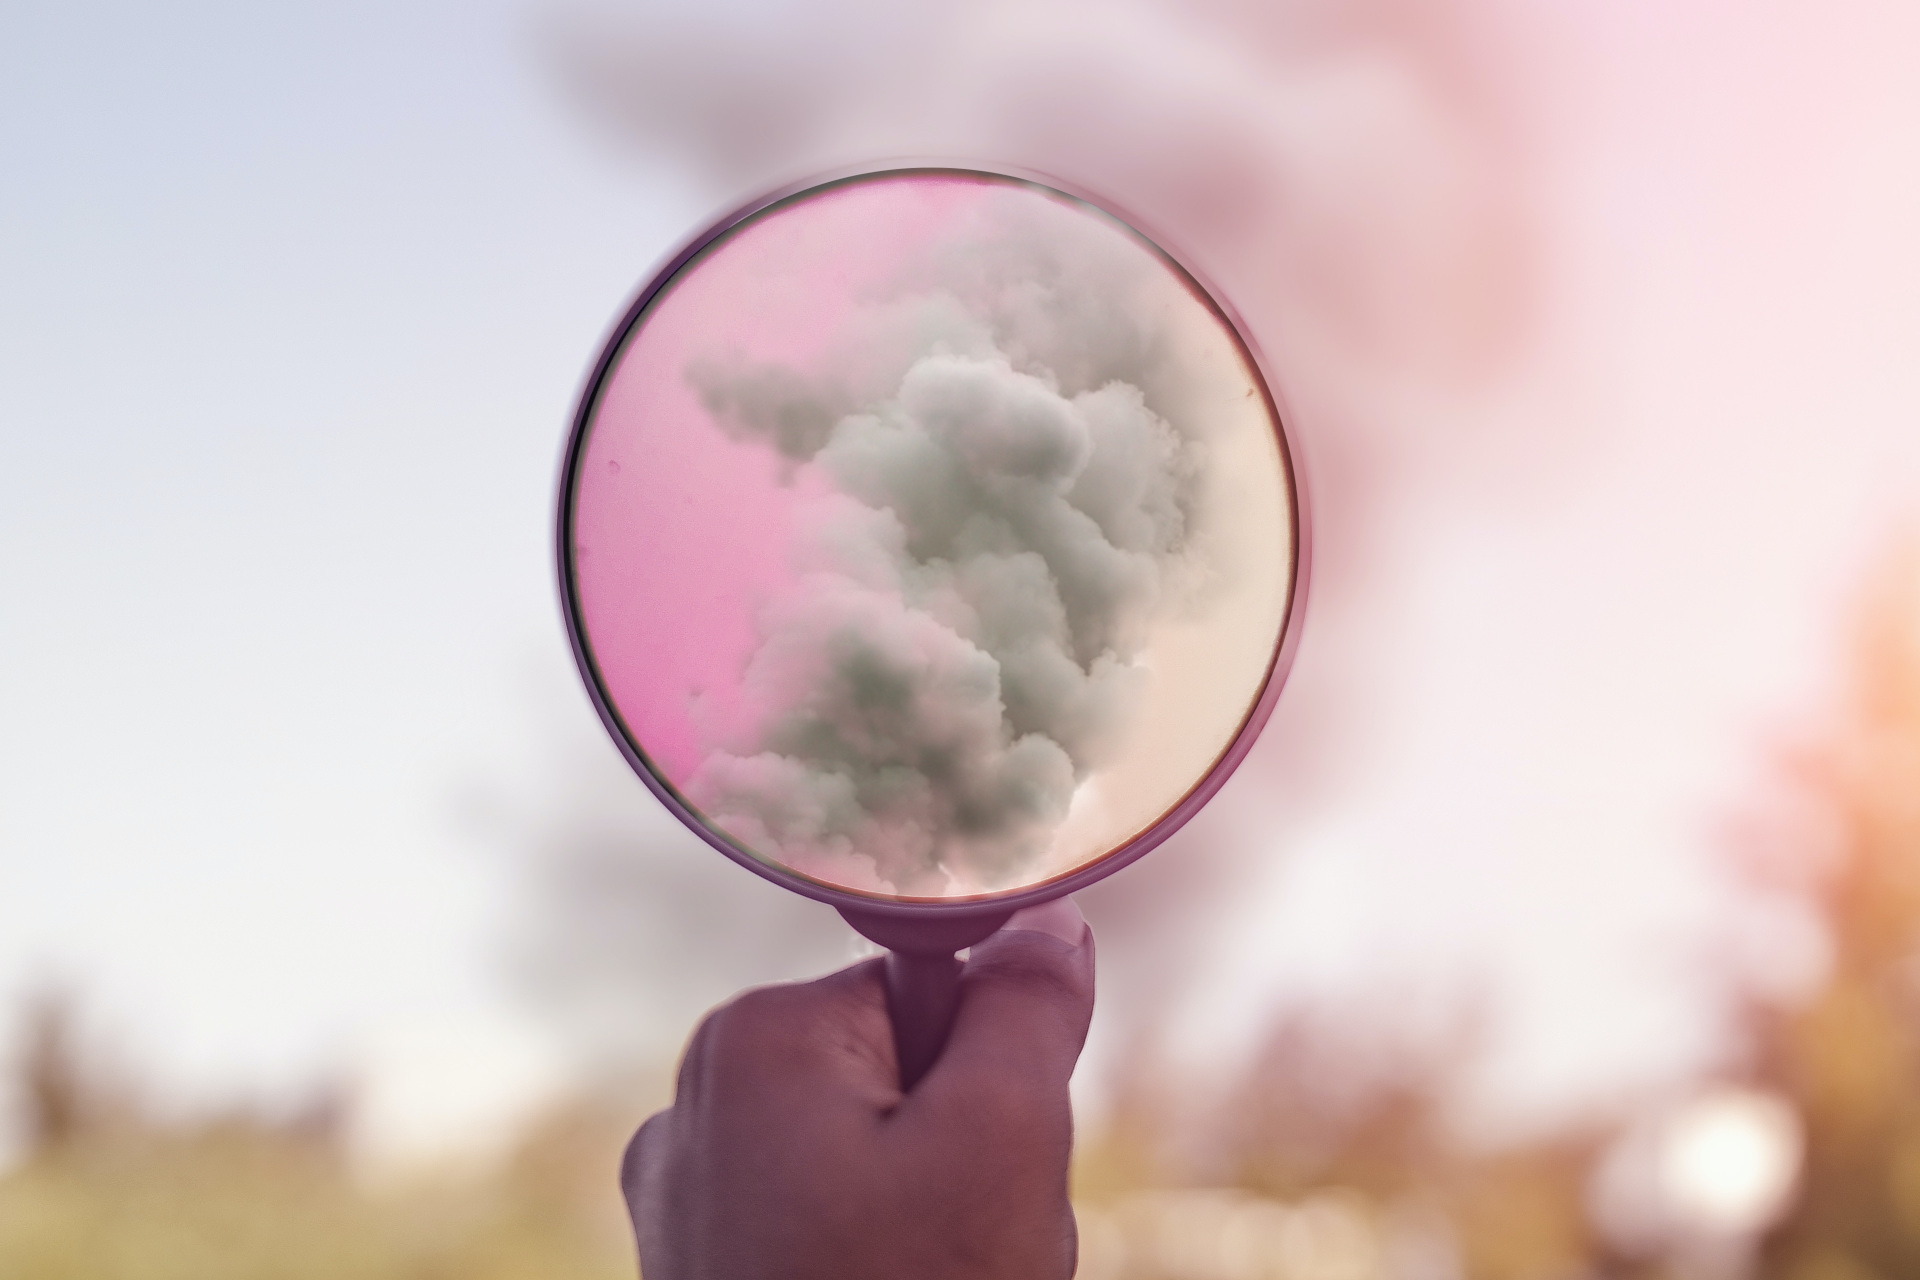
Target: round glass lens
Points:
(929, 534)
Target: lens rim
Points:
(929, 909)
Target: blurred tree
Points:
(53, 1095)
(1337, 1108)
(1849, 1057)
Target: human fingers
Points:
(644, 1186)
(828, 1038)
(1026, 1000)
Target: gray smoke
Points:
(1009, 454)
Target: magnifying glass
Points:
(931, 544)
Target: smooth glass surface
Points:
(931, 535)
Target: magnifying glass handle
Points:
(923, 978)
(923, 990)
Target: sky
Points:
(297, 301)
(1596, 327)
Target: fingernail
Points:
(1057, 919)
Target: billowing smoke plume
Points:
(1001, 474)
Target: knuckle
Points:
(643, 1146)
(757, 1007)
(744, 1017)
(754, 1027)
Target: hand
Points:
(790, 1153)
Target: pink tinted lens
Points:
(931, 535)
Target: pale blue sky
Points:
(296, 299)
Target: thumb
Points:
(1026, 999)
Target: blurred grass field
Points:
(108, 1192)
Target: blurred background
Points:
(1565, 923)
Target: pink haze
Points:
(681, 534)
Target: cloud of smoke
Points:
(998, 509)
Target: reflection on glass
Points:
(931, 534)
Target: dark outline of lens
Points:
(1170, 821)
